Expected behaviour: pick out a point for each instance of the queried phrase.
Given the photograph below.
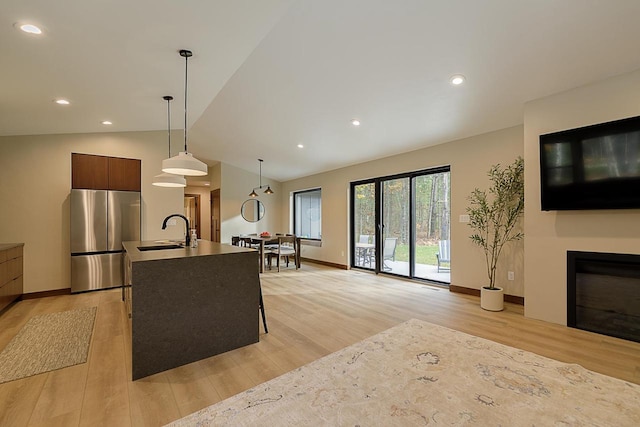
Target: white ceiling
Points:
(116, 59)
(270, 74)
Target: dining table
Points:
(262, 241)
(365, 251)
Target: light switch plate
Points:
(464, 218)
(172, 221)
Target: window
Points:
(307, 214)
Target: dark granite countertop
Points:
(205, 248)
(5, 246)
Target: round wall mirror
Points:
(252, 210)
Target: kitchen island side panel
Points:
(188, 309)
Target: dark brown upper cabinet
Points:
(124, 174)
(105, 173)
(89, 172)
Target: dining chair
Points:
(273, 245)
(247, 242)
(287, 247)
(244, 242)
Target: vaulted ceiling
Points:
(268, 75)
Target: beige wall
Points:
(470, 159)
(235, 186)
(215, 173)
(35, 182)
(35, 177)
(549, 235)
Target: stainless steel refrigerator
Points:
(100, 221)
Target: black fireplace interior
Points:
(603, 293)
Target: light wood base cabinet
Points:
(10, 273)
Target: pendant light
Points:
(184, 163)
(168, 179)
(267, 191)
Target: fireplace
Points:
(603, 293)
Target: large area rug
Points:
(48, 342)
(417, 374)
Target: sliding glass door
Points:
(400, 225)
(431, 224)
(396, 226)
(364, 225)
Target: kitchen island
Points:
(187, 304)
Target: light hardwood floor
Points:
(311, 313)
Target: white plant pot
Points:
(492, 299)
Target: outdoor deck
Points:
(423, 271)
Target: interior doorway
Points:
(215, 215)
(192, 212)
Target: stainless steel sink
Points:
(159, 247)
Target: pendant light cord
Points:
(186, 62)
(169, 122)
(267, 191)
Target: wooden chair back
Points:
(287, 247)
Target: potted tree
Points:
(494, 217)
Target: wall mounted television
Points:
(593, 167)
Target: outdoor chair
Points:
(444, 254)
(389, 252)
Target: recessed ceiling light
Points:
(62, 102)
(355, 122)
(457, 79)
(300, 146)
(106, 122)
(30, 28)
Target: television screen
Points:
(594, 167)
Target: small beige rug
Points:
(48, 342)
(419, 374)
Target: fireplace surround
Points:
(603, 293)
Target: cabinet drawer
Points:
(4, 273)
(14, 268)
(15, 288)
(11, 281)
(14, 252)
(10, 292)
